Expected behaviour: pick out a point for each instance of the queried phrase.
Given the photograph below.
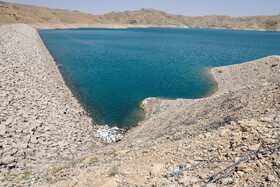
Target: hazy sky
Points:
(185, 7)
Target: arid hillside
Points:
(41, 17)
(153, 17)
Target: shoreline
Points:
(229, 80)
(118, 26)
(73, 91)
(45, 126)
(140, 105)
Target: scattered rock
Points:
(224, 132)
(111, 183)
(240, 173)
(34, 97)
(7, 159)
(183, 180)
(226, 180)
(278, 172)
(254, 147)
(49, 127)
(270, 178)
(266, 119)
(156, 169)
(241, 166)
(209, 185)
(2, 130)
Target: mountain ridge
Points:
(44, 18)
(160, 18)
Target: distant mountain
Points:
(151, 17)
(41, 17)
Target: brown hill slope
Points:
(158, 18)
(41, 17)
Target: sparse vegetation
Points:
(114, 171)
(49, 179)
(114, 151)
(55, 170)
(175, 139)
(196, 133)
(26, 175)
(8, 176)
(93, 160)
(12, 177)
(262, 77)
(159, 134)
(72, 164)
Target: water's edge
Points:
(151, 26)
(140, 105)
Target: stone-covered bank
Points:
(41, 123)
(230, 138)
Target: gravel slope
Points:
(231, 138)
(41, 123)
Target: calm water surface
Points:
(112, 70)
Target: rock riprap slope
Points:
(230, 138)
(41, 123)
(243, 91)
(243, 153)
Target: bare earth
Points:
(47, 18)
(230, 138)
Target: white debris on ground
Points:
(110, 134)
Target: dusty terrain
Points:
(229, 138)
(151, 17)
(46, 18)
(41, 17)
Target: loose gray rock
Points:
(183, 180)
(7, 160)
(270, 178)
(38, 111)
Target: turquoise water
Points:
(112, 70)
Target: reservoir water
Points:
(112, 70)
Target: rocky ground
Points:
(230, 138)
(41, 123)
(243, 153)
